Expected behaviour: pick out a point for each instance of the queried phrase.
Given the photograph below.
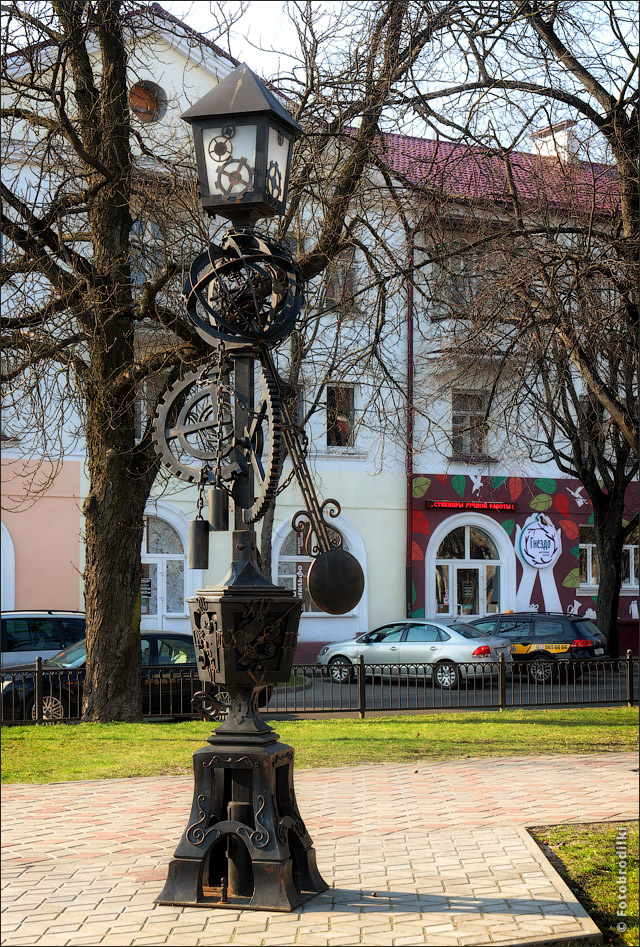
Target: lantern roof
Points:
(241, 92)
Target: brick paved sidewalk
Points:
(426, 853)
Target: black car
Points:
(542, 639)
(169, 680)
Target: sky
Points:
(264, 24)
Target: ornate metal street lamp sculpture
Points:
(245, 845)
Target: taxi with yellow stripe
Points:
(544, 639)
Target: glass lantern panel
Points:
(277, 158)
(230, 157)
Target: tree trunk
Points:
(114, 512)
(609, 536)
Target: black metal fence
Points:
(42, 696)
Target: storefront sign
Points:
(540, 542)
(467, 505)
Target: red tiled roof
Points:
(466, 172)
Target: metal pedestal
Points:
(246, 846)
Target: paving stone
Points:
(450, 862)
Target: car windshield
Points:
(468, 631)
(72, 657)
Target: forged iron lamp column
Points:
(245, 845)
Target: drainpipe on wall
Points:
(410, 421)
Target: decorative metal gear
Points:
(274, 181)
(238, 174)
(247, 290)
(266, 469)
(220, 148)
(186, 428)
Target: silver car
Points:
(451, 650)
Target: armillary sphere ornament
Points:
(248, 290)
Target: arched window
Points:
(467, 573)
(163, 563)
(293, 567)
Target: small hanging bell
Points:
(218, 509)
(198, 553)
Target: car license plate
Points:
(598, 651)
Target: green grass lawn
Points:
(98, 751)
(587, 859)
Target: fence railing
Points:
(44, 696)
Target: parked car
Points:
(29, 634)
(446, 649)
(166, 691)
(543, 639)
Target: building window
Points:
(293, 568)
(468, 425)
(467, 573)
(453, 286)
(590, 567)
(340, 416)
(163, 565)
(340, 281)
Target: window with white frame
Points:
(468, 424)
(340, 416)
(630, 561)
(590, 567)
(588, 564)
(340, 281)
(453, 285)
(293, 568)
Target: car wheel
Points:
(341, 670)
(445, 675)
(53, 708)
(541, 671)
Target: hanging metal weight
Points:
(218, 509)
(198, 549)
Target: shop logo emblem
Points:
(540, 543)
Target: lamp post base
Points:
(246, 846)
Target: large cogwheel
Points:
(193, 422)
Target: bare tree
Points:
(543, 256)
(92, 316)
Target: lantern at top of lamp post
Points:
(244, 142)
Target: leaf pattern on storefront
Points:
(572, 579)
(417, 554)
(515, 488)
(575, 551)
(419, 613)
(561, 503)
(420, 522)
(570, 529)
(498, 482)
(508, 526)
(541, 502)
(459, 484)
(545, 484)
(420, 486)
